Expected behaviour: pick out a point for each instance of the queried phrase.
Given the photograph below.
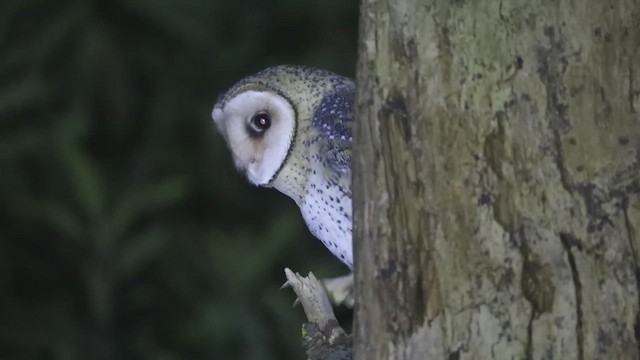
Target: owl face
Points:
(259, 128)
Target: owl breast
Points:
(326, 209)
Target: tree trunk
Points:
(497, 180)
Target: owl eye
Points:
(260, 122)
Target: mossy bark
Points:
(497, 180)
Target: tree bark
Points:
(497, 180)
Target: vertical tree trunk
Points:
(497, 180)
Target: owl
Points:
(289, 128)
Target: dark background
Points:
(125, 231)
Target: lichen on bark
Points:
(497, 180)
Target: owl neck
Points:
(291, 182)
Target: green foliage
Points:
(125, 232)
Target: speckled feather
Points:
(316, 171)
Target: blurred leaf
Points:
(40, 328)
(138, 251)
(86, 180)
(259, 251)
(213, 319)
(134, 204)
(70, 126)
(20, 94)
(17, 143)
(56, 215)
(59, 29)
(32, 138)
(183, 20)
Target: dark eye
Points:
(260, 122)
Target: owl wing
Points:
(333, 120)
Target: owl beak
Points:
(254, 176)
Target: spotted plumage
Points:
(289, 127)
